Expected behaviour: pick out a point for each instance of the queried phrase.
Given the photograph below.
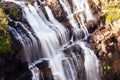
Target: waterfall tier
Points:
(54, 50)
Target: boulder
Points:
(45, 71)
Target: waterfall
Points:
(45, 39)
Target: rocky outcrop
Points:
(14, 13)
(12, 69)
(45, 71)
(101, 35)
(106, 43)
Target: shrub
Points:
(113, 14)
(4, 33)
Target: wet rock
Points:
(13, 10)
(12, 69)
(43, 64)
(44, 71)
(58, 12)
(94, 24)
(71, 59)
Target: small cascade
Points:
(90, 60)
(51, 52)
(62, 30)
(28, 40)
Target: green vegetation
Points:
(113, 8)
(118, 4)
(106, 69)
(4, 33)
(111, 4)
(15, 12)
(112, 15)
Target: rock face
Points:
(61, 16)
(12, 69)
(11, 66)
(106, 43)
(44, 71)
(93, 25)
(14, 12)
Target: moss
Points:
(4, 33)
(15, 12)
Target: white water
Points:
(51, 36)
(49, 42)
(92, 71)
(79, 6)
(58, 25)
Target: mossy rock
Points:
(13, 10)
(4, 33)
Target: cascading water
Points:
(47, 38)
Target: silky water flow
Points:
(48, 39)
